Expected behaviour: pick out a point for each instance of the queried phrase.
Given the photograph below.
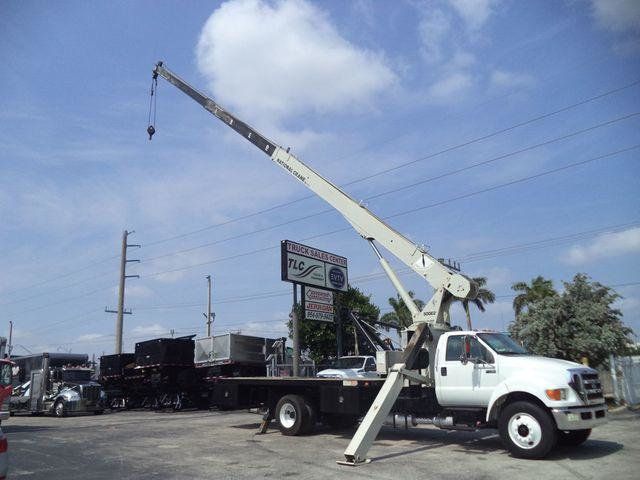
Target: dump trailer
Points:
(455, 379)
(119, 380)
(165, 373)
(58, 383)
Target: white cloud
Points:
(475, 13)
(153, 330)
(605, 245)
(88, 337)
(617, 15)
(504, 79)
(450, 86)
(271, 61)
(434, 29)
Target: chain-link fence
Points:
(625, 379)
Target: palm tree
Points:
(401, 315)
(483, 297)
(540, 288)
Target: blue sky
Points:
(418, 89)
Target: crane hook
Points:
(151, 131)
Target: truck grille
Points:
(91, 393)
(589, 387)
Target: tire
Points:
(312, 417)
(573, 438)
(98, 412)
(59, 409)
(527, 430)
(292, 414)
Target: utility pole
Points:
(10, 345)
(123, 276)
(209, 316)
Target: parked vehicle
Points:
(57, 383)
(351, 367)
(4, 455)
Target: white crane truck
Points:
(460, 380)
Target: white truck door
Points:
(453, 379)
(469, 384)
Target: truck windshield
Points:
(75, 376)
(503, 344)
(5, 374)
(350, 362)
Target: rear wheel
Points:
(292, 414)
(573, 438)
(527, 430)
(312, 417)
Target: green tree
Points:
(401, 315)
(319, 339)
(540, 288)
(484, 297)
(581, 322)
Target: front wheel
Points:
(527, 430)
(59, 409)
(573, 438)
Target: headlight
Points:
(557, 394)
(71, 396)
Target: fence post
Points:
(614, 378)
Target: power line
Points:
(426, 157)
(58, 277)
(405, 187)
(413, 210)
(49, 292)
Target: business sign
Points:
(317, 304)
(310, 266)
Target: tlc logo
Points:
(296, 264)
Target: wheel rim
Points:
(525, 431)
(59, 408)
(287, 415)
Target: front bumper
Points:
(82, 405)
(580, 418)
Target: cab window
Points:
(370, 364)
(5, 374)
(455, 344)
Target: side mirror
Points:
(466, 350)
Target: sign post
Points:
(320, 273)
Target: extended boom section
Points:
(447, 283)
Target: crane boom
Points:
(447, 283)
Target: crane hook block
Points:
(151, 131)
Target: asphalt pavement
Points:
(224, 445)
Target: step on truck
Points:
(461, 380)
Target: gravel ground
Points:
(141, 445)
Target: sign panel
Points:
(309, 266)
(317, 304)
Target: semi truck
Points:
(454, 379)
(57, 383)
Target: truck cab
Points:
(524, 395)
(359, 366)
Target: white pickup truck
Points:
(485, 379)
